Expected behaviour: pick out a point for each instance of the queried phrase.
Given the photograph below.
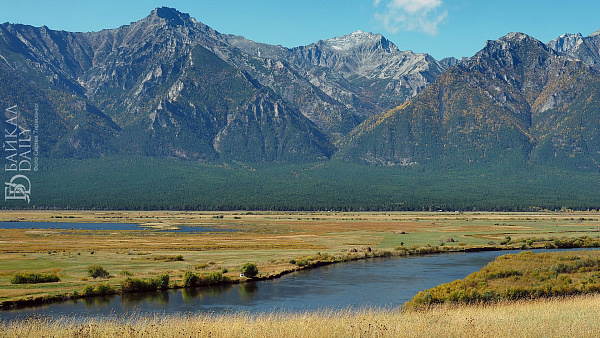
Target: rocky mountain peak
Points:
(516, 40)
(511, 46)
(515, 36)
(584, 48)
(171, 17)
(520, 39)
(566, 42)
(359, 40)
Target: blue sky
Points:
(439, 27)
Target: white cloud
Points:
(410, 15)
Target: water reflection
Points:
(188, 295)
(135, 299)
(196, 295)
(248, 291)
(98, 301)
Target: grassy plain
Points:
(269, 239)
(570, 317)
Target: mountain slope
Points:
(515, 100)
(372, 65)
(168, 85)
(353, 76)
(178, 97)
(35, 75)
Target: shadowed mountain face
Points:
(39, 70)
(168, 85)
(160, 86)
(517, 100)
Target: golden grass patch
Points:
(569, 317)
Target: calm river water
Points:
(380, 283)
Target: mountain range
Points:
(517, 99)
(169, 86)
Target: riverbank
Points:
(526, 275)
(304, 263)
(277, 242)
(559, 317)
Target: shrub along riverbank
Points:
(526, 275)
(190, 279)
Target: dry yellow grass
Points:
(570, 317)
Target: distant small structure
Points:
(242, 275)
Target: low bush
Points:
(97, 271)
(191, 279)
(88, 290)
(213, 277)
(504, 274)
(141, 285)
(104, 289)
(249, 270)
(34, 278)
(137, 285)
(162, 281)
(302, 262)
(98, 290)
(167, 258)
(578, 266)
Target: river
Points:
(371, 283)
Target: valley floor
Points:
(566, 317)
(275, 241)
